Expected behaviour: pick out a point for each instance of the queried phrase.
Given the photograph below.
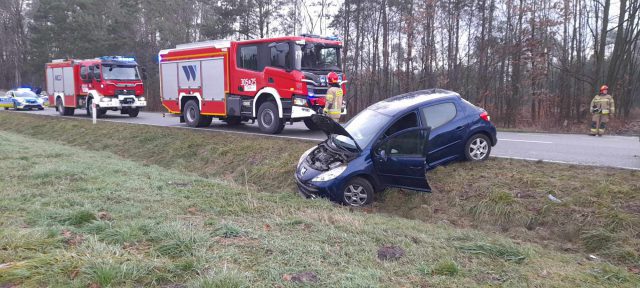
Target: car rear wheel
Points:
(357, 192)
(268, 119)
(192, 115)
(478, 148)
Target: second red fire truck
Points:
(111, 82)
(272, 81)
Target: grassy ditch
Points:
(71, 221)
(599, 213)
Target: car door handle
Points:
(415, 167)
(459, 128)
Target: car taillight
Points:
(485, 116)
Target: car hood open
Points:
(329, 127)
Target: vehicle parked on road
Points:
(392, 144)
(21, 98)
(272, 80)
(111, 82)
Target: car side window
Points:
(408, 121)
(407, 144)
(439, 114)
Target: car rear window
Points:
(439, 114)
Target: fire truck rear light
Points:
(485, 116)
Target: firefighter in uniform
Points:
(602, 106)
(333, 105)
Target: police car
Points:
(21, 98)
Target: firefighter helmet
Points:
(332, 78)
(604, 88)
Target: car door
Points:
(399, 154)
(6, 101)
(448, 129)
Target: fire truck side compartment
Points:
(213, 76)
(170, 81)
(50, 81)
(69, 83)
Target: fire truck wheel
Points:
(268, 119)
(133, 112)
(310, 125)
(193, 117)
(64, 111)
(233, 120)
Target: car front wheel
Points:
(357, 192)
(478, 148)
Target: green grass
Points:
(155, 237)
(193, 195)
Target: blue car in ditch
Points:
(393, 143)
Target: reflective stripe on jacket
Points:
(334, 101)
(604, 103)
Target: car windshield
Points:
(362, 128)
(25, 94)
(317, 56)
(120, 72)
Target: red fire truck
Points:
(273, 81)
(111, 82)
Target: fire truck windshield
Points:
(119, 72)
(317, 56)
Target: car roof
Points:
(411, 100)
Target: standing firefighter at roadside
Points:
(333, 106)
(601, 106)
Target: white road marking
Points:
(528, 141)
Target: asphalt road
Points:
(611, 151)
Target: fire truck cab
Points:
(272, 81)
(111, 82)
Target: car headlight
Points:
(304, 155)
(299, 101)
(330, 175)
(141, 99)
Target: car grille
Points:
(125, 92)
